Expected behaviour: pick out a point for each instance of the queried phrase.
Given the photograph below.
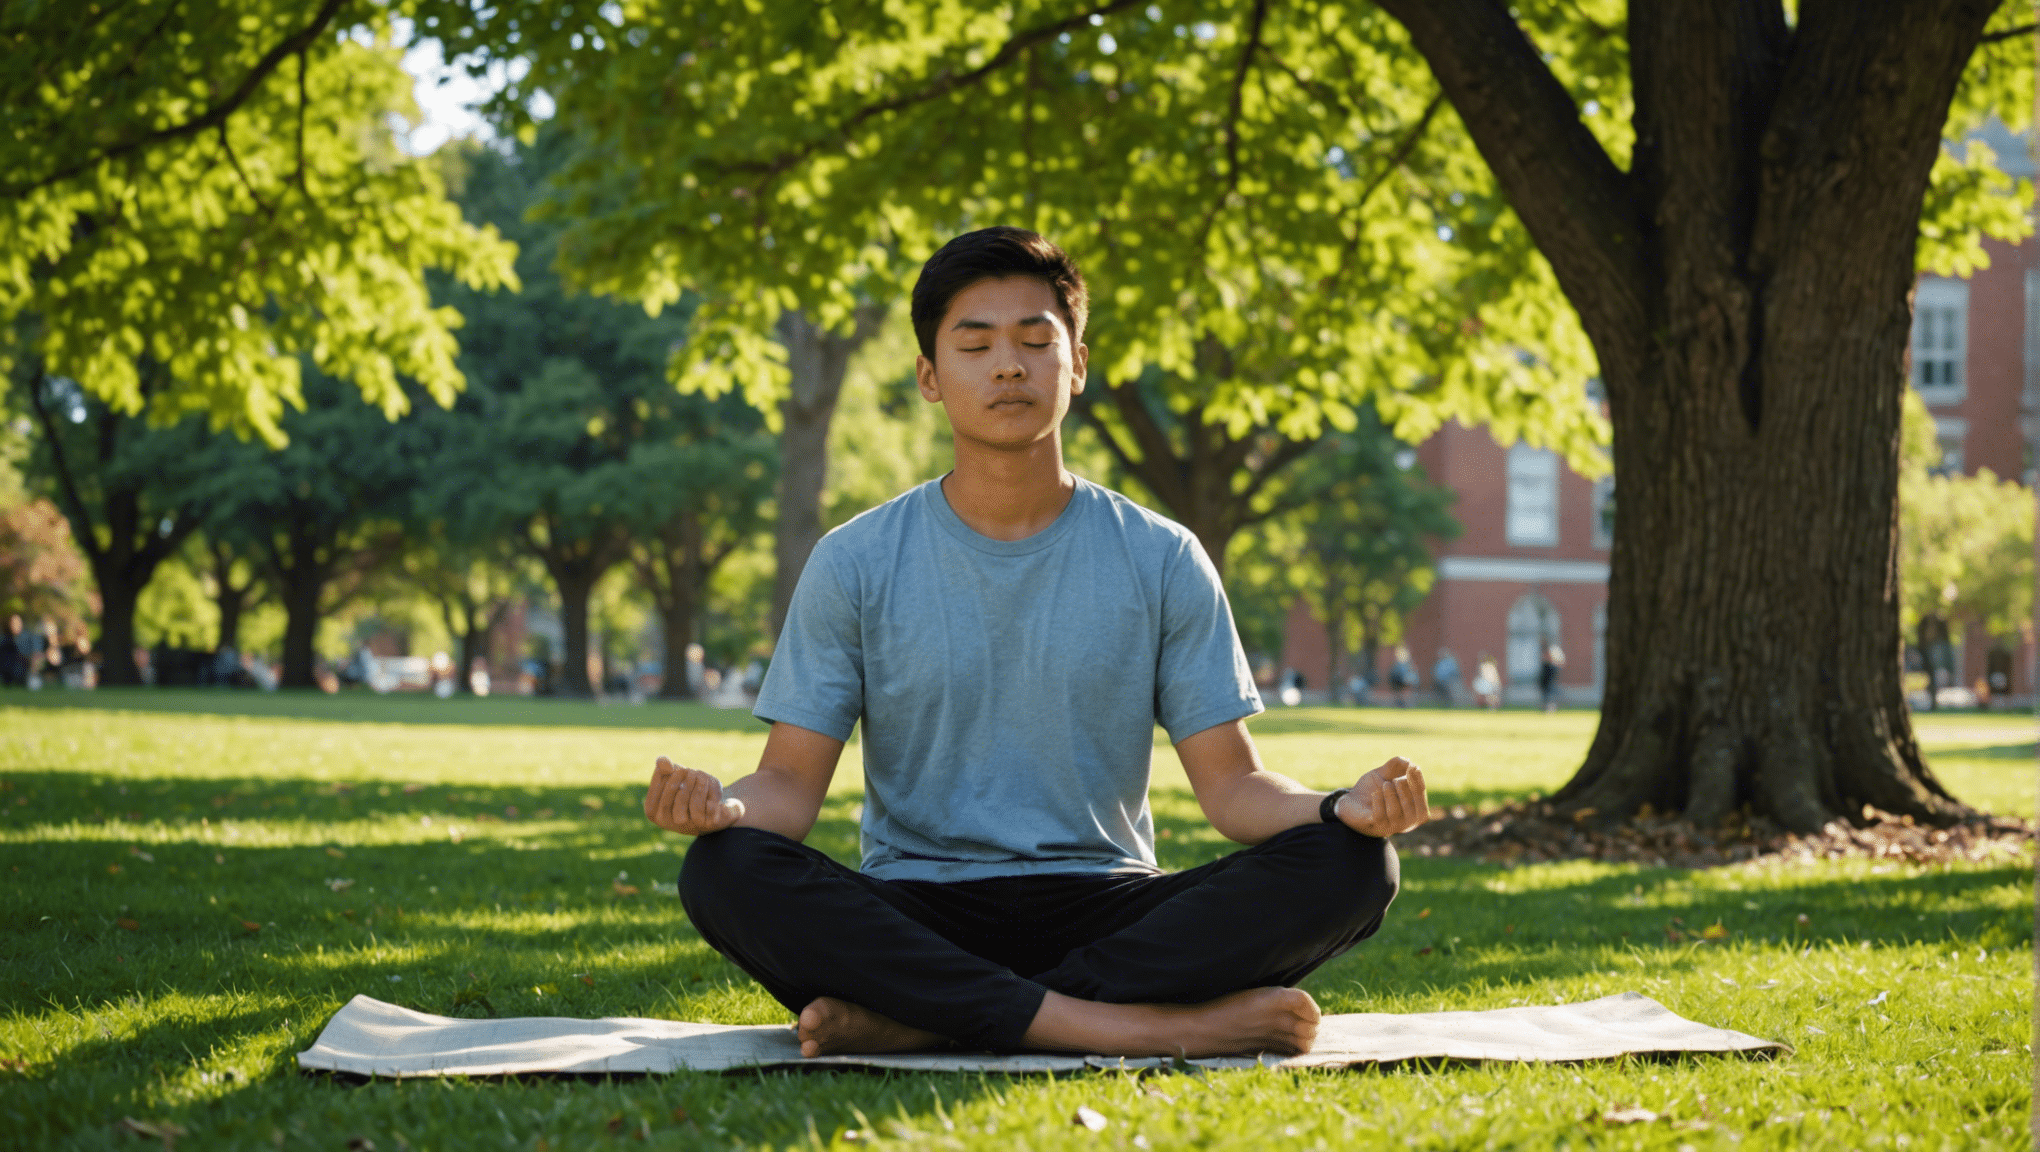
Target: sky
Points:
(444, 96)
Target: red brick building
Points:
(1532, 566)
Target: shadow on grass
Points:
(525, 916)
(361, 706)
(2026, 751)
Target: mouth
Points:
(1013, 402)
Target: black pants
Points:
(973, 960)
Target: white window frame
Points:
(1951, 433)
(1533, 623)
(1940, 340)
(1529, 471)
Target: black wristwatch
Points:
(1327, 808)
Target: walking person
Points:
(1402, 677)
(1487, 683)
(1445, 677)
(1547, 676)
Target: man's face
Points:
(1006, 363)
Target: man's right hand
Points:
(689, 802)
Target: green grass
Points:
(191, 814)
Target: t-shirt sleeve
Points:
(1202, 676)
(816, 680)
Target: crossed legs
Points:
(1199, 962)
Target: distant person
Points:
(34, 646)
(13, 665)
(1359, 689)
(75, 667)
(1487, 683)
(1445, 677)
(1547, 676)
(1402, 677)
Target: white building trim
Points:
(1504, 568)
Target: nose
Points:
(1012, 372)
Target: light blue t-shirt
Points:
(1009, 689)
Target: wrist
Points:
(1328, 808)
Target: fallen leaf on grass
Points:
(218, 858)
(622, 889)
(113, 869)
(338, 884)
(336, 854)
(413, 789)
(1714, 931)
(141, 855)
(158, 1130)
(584, 978)
(1089, 1118)
(679, 1115)
(1421, 915)
(1630, 1115)
(129, 923)
(251, 926)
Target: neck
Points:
(1009, 494)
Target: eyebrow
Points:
(1026, 321)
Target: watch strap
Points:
(1327, 808)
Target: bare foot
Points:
(1280, 1020)
(830, 1026)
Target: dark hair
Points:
(989, 254)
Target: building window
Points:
(1533, 496)
(1533, 623)
(1604, 512)
(1940, 338)
(1949, 433)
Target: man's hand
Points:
(1386, 801)
(689, 802)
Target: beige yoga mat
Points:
(370, 1038)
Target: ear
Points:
(1080, 367)
(925, 381)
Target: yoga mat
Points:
(370, 1038)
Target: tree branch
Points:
(2010, 33)
(942, 84)
(81, 519)
(1232, 121)
(213, 117)
(1576, 203)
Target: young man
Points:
(1010, 635)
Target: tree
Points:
(1357, 552)
(1272, 200)
(323, 512)
(474, 584)
(571, 441)
(1743, 271)
(232, 597)
(289, 225)
(41, 573)
(124, 488)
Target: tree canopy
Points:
(179, 195)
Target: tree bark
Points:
(575, 567)
(300, 574)
(817, 360)
(231, 599)
(1747, 289)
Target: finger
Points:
(707, 797)
(1391, 808)
(1394, 769)
(728, 812)
(1420, 798)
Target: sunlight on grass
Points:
(190, 896)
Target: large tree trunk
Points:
(817, 360)
(300, 586)
(117, 598)
(230, 598)
(575, 587)
(1747, 288)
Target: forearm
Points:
(777, 800)
(1261, 804)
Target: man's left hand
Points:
(1386, 801)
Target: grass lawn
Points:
(174, 928)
